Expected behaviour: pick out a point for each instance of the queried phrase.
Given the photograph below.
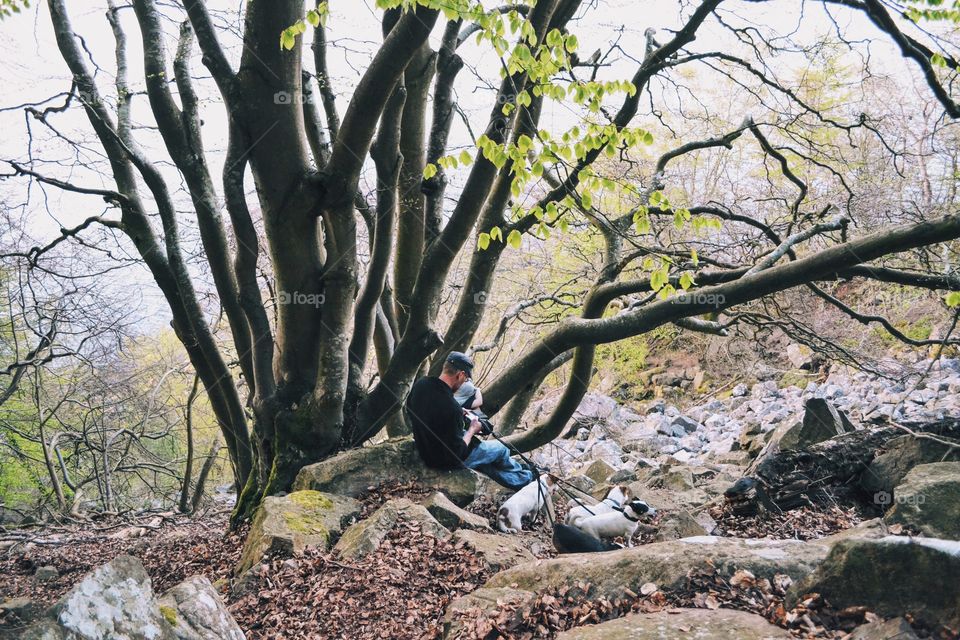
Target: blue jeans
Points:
(493, 459)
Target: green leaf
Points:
(429, 171)
(465, 157)
(647, 138)
(288, 39)
(686, 280)
(313, 18)
(587, 200)
(483, 241)
(571, 43)
(514, 239)
(953, 299)
(496, 233)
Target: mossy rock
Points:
(351, 472)
(169, 614)
(796, 378)
(291, 523)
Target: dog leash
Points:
(560, 481)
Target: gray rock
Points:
(607, 451)
(893, 576)
(113, 601)
(690, 443)
(892, 629)
(739, 391)
(702, 624)
(351, 472)
(902, 454)
(928, 500)
(195, 611)
(656, 407)
(46, 573)
(19, 611)
(599, 471)
(679, 524)
(687, 424)
(665, 564)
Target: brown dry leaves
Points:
(803, 523)
(398, 591)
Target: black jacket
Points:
(437, 422)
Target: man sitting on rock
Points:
(438, 420)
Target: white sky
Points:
(32, 70)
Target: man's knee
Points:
(503, 454)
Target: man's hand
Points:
(474, 428)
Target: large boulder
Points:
(928, 500)
(288, 524)
(665, 563)
(117, 601)
(903, 454)
(366, 536)
(893, 576)
(680, 624)
(613, 573)
(195, 611)
(352, 472)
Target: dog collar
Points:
(624, 513)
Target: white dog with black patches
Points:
(617, 523)
(615, 498)
(529, 499)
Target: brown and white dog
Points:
(616, 497)
(617, 523)
(529, 499)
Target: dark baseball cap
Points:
(461, 362)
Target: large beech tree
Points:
(301, 386)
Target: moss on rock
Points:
(169, 614)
